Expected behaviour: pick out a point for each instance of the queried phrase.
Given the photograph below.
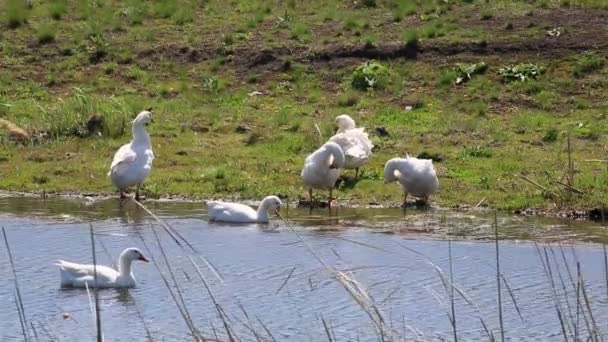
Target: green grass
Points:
(193, 63)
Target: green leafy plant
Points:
(466, 71)
(476, 152)
(370, 74)
(587, 64)
(520, 72)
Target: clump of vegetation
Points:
(300, 32)
(477, 152)
(410, 38)
(166, 9)
(466, 71)
(16, 13)
(348, 99)
(46, 34)
(370, 74)
(586, 64)
(57, 9)
(520, 72)
(486, 15)
(551, 135)
(447, 77)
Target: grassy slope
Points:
(194, 63)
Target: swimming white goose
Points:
(241, 213)
(354, 142)
(132, 162)
(416, 176)
(77, 275)
(322, 168)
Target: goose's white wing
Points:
(125, 154)
(230, 212)
(356, 145)
(73, 274)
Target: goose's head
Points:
(271, 203)
(338, 154)
(132, 254)
(344, 123)
(389, 170)
(143, 118)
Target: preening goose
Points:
(354, 142)
(322, 168)
(416, 176)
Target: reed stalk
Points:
(498, 289)
(96, 289)
(19, 298)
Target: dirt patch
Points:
(582, 30)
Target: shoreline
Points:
(577, 214)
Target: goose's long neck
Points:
(263, 212)
(124, 266)
(140, 136)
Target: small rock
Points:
(242, 129)
(254, 93)
(381, 131)
(198, 127)
(436, 157)
(408, 108)
(95, 123)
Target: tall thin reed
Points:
(218, 307)
(498, 290)
(20, 309)
(453, 308)
(352, 287)
(578, 302)
(96, 289)
(595, 332)
(544, 258)
(181, 304)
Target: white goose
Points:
(80, 275)
(354, 142)
(241, 213)
(132, 162)
(416, 176)
(322, 168)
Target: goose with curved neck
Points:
(322, 169)
(354, 142)
(132, 162)
(82, 275)
(417, 177)
(241, 213)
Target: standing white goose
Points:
(354, 142)
(241, 213)
(416, 176)
(80, 275)
(322, 168)
(132, 162)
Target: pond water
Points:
(270, 286)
